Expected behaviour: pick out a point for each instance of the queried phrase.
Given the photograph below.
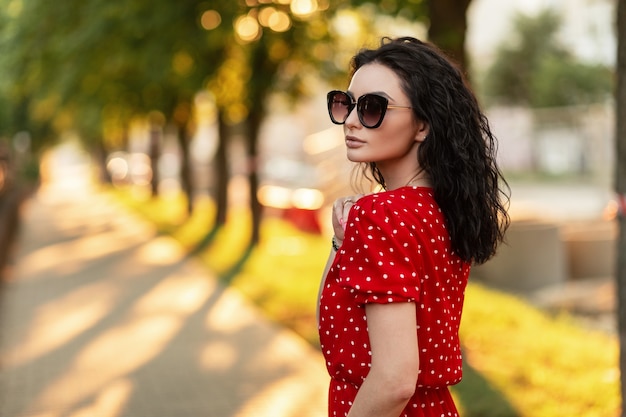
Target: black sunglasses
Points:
(370, 108)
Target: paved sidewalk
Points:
(100, 317)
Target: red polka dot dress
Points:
(396, 249)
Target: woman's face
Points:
(394, 143)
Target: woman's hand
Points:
(341, 208)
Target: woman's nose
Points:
(353, 119)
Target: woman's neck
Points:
(421, 179)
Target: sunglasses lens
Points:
(371, 108)
(339, 106)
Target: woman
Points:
(391, 299)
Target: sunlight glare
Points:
(90, 247)
(218, 356)
(152, 323)
(146, 335)
(181, 295)
(161, 250)
(277, 399)
(110, 402)
(61, 320)
(228, 316)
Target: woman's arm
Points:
(339, 216)
(392, 378)
(329, 262)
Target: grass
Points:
(543, 365)
(519, 361)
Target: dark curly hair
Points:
(459, 154)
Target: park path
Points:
(101, 317)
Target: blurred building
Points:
(588, 27)
(559, 141)
(301, 150)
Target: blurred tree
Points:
(169, 56)
(282, 40)
(533, 69)
(620, 188)
(448, 25)
(135, 59)
(270, 50)
(24, 112)
(128, 60)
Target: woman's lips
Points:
(352, 142)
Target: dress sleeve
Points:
(380, 262)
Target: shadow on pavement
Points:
(102, 317)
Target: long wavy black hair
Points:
(459, 154)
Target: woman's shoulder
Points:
(405, 196)
(396, 207)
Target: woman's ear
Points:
(423, 129)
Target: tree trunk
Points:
(222, 173)
(254, 120)
(100, 155)
(186, 174)
(155, 153)
(181, 118)
(448, 25)
(620, 188)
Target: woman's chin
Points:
(356, 157)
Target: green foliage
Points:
(561, 83)
(93, 66)
(74, 67)
(533, 69)
(4, 115)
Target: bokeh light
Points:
(247, 28)
(347, 24)
(265, 14)
(279, 21)
(210, 19)
(284, 198)
(307, 198)
(303, 8)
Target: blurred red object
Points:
(303, 219)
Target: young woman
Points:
(391, 299)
